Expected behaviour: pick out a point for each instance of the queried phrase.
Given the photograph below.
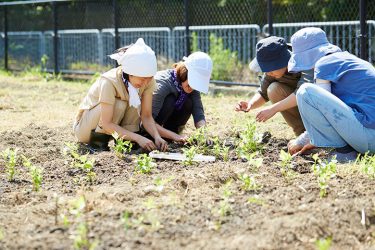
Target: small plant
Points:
(224, 208)
(10, 158)
(81, 161)
(255, 200)
(145, 164)
(286, 165)
(220, 150)
(125, 218)
(160, 183)
(323, 244)
(367, 164)
(1, 234)
(324, 171)
(121, 146)
(189, 154)
(35, 173)
(249, 140)
(252, 161)
(248, 183)
(199, 139)
(82, 239)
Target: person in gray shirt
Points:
(276, 84)
(177, 95)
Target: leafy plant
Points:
(249, 183)
(145, 164)
(367, 164)
(224, 208)
(199, 139)
(189, 154)
(324, 171)
(220, 150)
(81, 161)
(10, 158)
(82, 239)
(121, 146)
(36, 173)
(249, 141)
(323, 244)
(286, 165)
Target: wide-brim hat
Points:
(309, 45)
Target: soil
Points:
(282, 214)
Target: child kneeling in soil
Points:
(339, 110)
(119, 100)
(277, 84)
(177, 95)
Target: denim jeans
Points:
(330, 122)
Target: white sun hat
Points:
(138, 60)
(199, 66)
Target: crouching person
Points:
(177, 95)
(277, 84)
(120, 100)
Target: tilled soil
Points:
(185, 212)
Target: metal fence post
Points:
(115, 23)
(5, 37)
(55, 38)
(187, 35)
(269, 17)
(363, 35)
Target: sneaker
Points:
(344, 155)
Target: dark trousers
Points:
(172, 119)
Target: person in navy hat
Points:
(277, 84)
(339, 110)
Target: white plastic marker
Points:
(363, 220)
(180, 157)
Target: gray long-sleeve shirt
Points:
(293, 80)
(165, 87)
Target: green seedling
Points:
(126, 219)
(286, 165)
(323, 244)
(256, 200)
(189, 154)
(145, 164)
(1, 234)
(160, 183)
(220, 150)
(367, 164)
(36, 173)
(82, 239)
(81, 161)
(249, 183)
(249, 141)
(324, 172)
(121, 146)
(10, 158)
(252, 161)
(224, 208)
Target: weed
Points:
(145, 164)
(324, 171)
(121, 146)
(367, 164)
(189, 155)
(323, 244)
(10, 158)
(35, 173)
(249, 183)
(286, 165)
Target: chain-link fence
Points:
(76, 36)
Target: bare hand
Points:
(265, 114)
(243, 106)
(180, 138)
(161, 144)
(146, 143)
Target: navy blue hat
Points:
(272, 54)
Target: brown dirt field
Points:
(36, 118)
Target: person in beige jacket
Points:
(120, 100)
